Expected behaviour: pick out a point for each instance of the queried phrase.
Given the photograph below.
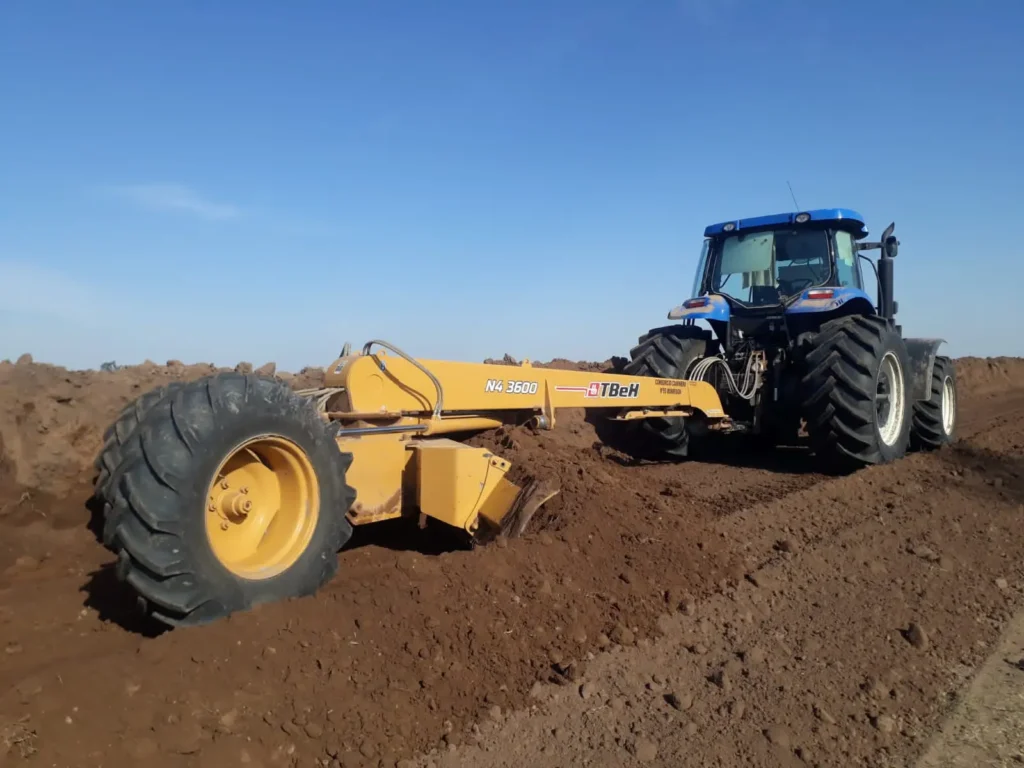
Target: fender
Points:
(849, 300)
(707, 307)
(922, 354)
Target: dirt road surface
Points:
(734, 611)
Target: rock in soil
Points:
(645, 750)
(778, 735)
(917, 636)
(681, 703)
(623, 636)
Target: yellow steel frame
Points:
(389, 404)
(381, 387)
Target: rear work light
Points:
(821, 293)
(703, 301)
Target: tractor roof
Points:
(840, 218)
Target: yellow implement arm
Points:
(390, 407)
(444, 395)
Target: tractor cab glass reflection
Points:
(763, 268)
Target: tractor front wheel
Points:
(237, 497)
(855, 397)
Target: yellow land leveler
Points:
(234, 490)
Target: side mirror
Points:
(890, 245)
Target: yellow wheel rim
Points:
(262, 507)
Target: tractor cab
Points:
(778, 266)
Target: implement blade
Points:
(531, 498)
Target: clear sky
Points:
(264, 180)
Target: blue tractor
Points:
(779, 322)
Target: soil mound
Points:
(979, 376)
(53, 419)
(558, 363)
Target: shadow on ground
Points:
(635, 446)
(404, 534)
(117, 603)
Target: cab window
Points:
(847, 271)
(702, 265)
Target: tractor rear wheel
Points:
(934, 421)
(854, 393)
(237, 497)
(664, 353)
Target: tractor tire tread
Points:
(838, 383)
(928, 433)
(665, 353)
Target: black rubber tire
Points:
(664, 353)
(120, 431)
(119, 452)
(928, 432)
(165, 555)
(838, 389)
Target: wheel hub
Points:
(889, 398)
(234, 506)
(262, 507)
(948, 405)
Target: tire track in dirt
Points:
(986, 729)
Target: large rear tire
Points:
(854, 393)
(935, 419)
(237, 497)
(664, 353)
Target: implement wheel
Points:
(934, 421)
(120, 431)
(855, 396)
(664, 353)
(120, 449)
(238, 497)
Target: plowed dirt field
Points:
(737, 610)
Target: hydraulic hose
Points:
(439, 404)
(751, 377)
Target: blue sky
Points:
(223, 181)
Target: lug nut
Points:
(224, 484)
(244, 489)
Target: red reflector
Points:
(694, 303)
(821, 293)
